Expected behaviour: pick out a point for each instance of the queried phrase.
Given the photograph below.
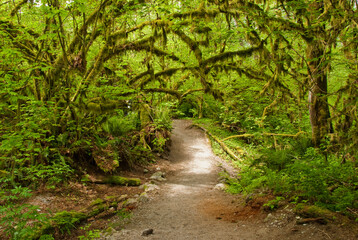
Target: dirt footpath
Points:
(188, 206)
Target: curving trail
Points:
(187, 206)
(177, 212)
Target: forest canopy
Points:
(96, 83)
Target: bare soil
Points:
(188, 206)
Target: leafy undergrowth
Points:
(25, 212)
(294, 172)
(59, 173)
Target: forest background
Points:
(95, 84)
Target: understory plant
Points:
(306, 177)
(19, 220)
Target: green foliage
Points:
(21, 221)
(272, 204)
(188, 107)
(52, 174)
(90, 234)
(121, 124)
(75, 76)
(298, 172)
(124, 214)
(328, 183)
(65, 220)
(163, 116)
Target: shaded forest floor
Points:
(188, 204)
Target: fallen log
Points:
(263, 134)
(118, 180)
(220, 142)
(66, 220)
(319, 220)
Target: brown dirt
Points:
(188, 206)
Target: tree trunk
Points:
(318, 98)
(317, 72)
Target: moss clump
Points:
(97, 202)
(85, 178)
(314, 212)
(110, 197)
(65, 221)
(118, 180)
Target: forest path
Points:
(177, 213)
(187, 205)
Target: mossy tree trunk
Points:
(318, 98)
(317, 60)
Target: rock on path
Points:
(175, 213)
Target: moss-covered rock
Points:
(118, 180)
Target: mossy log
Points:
(65, 221)
(222, 145)
(264, 134)
(314, 212)
(123, 181)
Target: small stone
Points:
(220, 186)
(145, 170)
(147, 232)
(109, 230)
(143, 197)
(159, 176)
(149, 187)
(130, 201)
(158, 169)
(269, 218)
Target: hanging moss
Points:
(193, 45)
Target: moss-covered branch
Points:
(68, 220)
(191, 91)
(165, 73)
(193, 45)
(221, 143)
(227, 55)
(246, 135)
(17, 7)
(164, 90)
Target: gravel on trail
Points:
(189, 206)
